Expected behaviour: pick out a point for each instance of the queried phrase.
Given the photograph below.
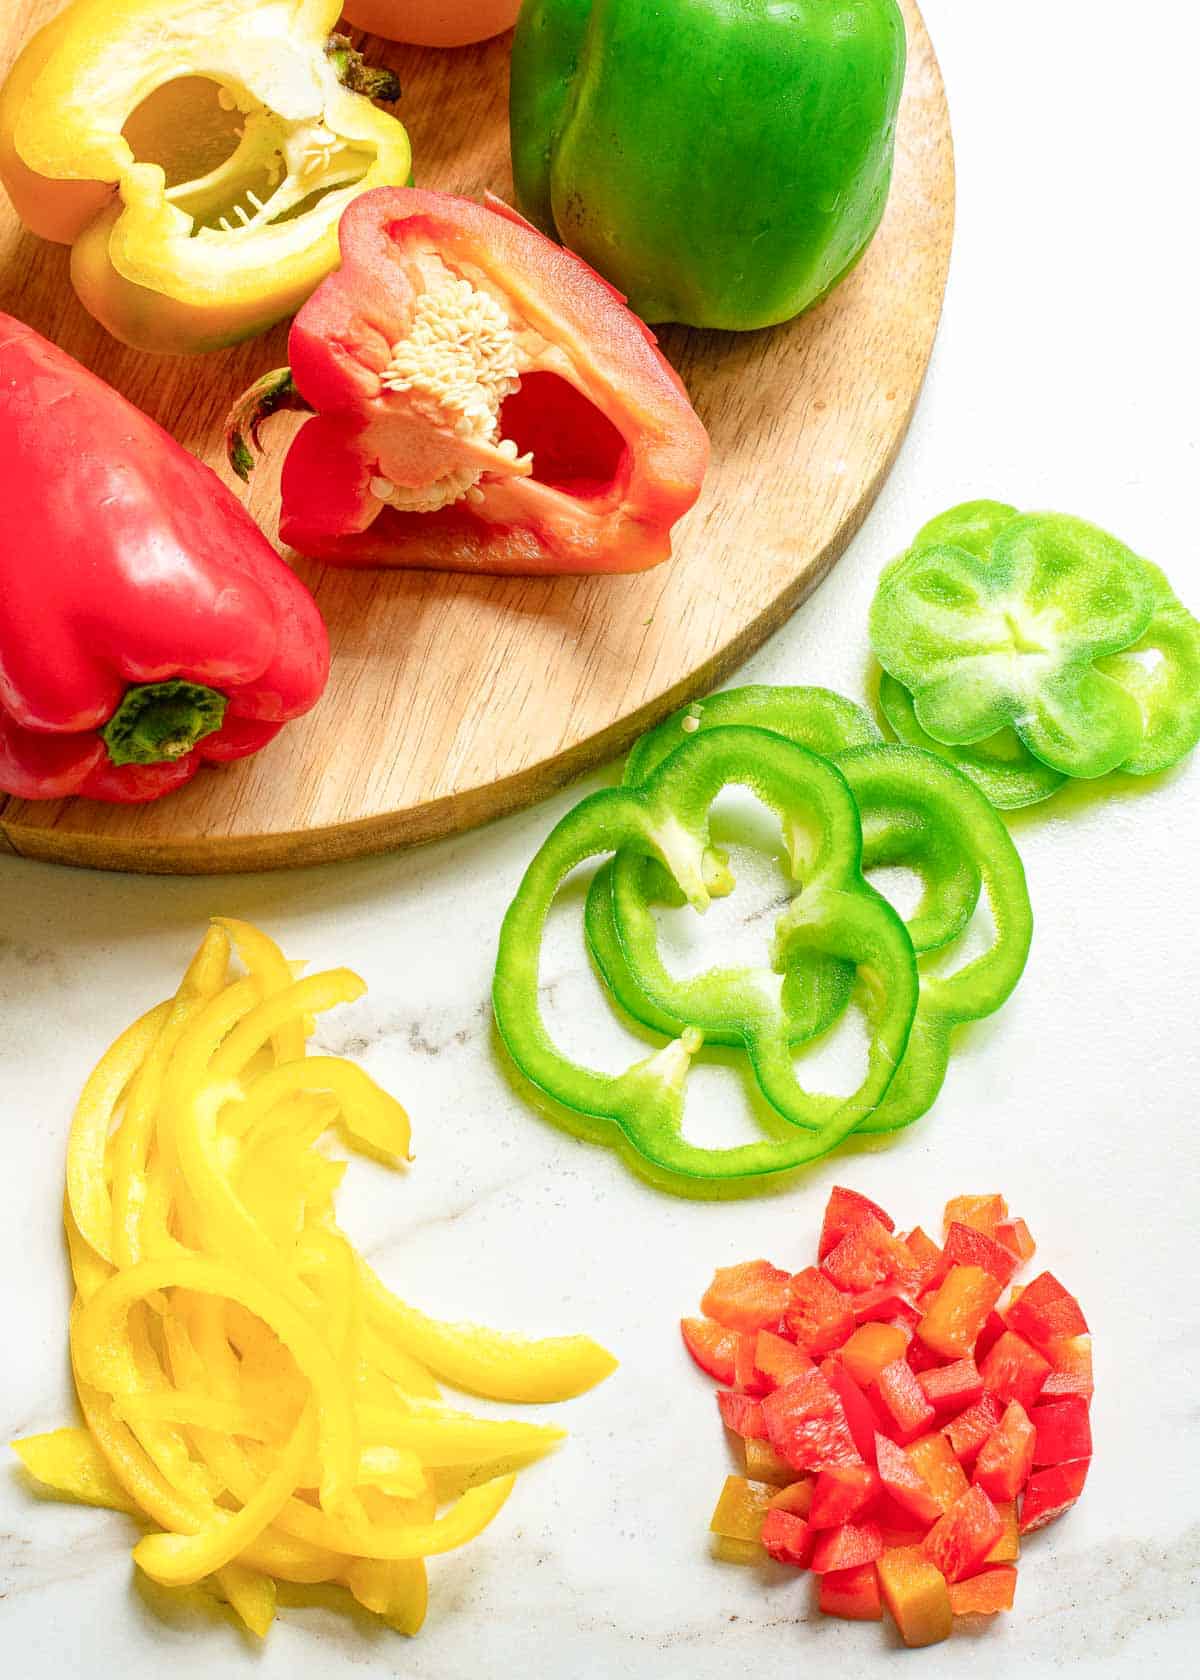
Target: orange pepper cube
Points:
(984, 1594)
(936, 1462)
(917, 1595)
(1008, 1548)
(982, 1213)
(958, 1311)
(870, 1348)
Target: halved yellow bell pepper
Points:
(197, 155)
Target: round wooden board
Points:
(456, 698)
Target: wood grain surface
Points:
(456, 698)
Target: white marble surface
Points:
(1064, 376)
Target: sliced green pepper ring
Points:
(1162, 673)
(1002, 767)
(837, 914)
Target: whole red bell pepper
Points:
(146, 624)
(483, 400)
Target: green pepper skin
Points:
(724, 163)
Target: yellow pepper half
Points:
(197, 155)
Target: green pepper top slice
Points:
(1014, 638)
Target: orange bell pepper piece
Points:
(870, 1348)
(958, 1311)
(983, 1213)
(984, 1594)
(916, 1594)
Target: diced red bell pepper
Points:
(711, 1345)
(867, 1256)
(742, 1414)
(900, 1527)
(787, 1538)
(1006, 1457)
(1059, 1384)
(870, 1348)
(900, 1395)
(1016, 1237)
(844, 1210)
(885, 1304)
(741, 1510)
(933, 1459)
(763, 1463)
(847, 1547)
(951, 1388)
(806, 1424)
(1014, 1370)
(1064, 1432)
(1050, 1493)
(852, 1594)
(970, 1429)
(860, 1414)
(842, 1493)
(1071, 1359)
(985, 1594)
(929, 1261)
(746, 1375)
(958, 1311)
(917, 1595)
(982, 1213)
(1045, 1312)
(905, 1484)
(958, 1542)
(796, 1497)
(993, 1328)
(966, 1246)
(818, 1315)
(922, 1358)
(1008, 1548)
(778, 1361)
(752, 1296)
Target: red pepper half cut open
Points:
(482, 401)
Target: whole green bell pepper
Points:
(724, 163)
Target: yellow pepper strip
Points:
(204, 977)
(444, 1439)
(87, 1190)
(465, 1519)
(312, 995)
(395, 1470)
(368, 1113)
(69, 1462)
(105, 1361)
(489, 1362)
(180, 1560)
(399, 1592)
(251, 1594)
(87, 1267)
(267, 963)
(199, 1410)
(390, 1364)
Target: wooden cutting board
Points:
(455, 698)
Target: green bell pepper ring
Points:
(722, 162)
(1161, 670)
(1002, 767)
(667, 819)
(1014, 639)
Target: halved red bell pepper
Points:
(484, 402)
(1013, 1370)
(751, 1296)
(844, 1210)
(819, 1316)
(958, 1542)
(147, 626)
(1006, 1457)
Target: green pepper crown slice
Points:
(1161, 670)
(1014, 637)
(836, 914)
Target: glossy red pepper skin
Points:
(341, 343)
(125, 561)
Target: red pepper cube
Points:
(887, 1305)
(852, 1594)
(711, 1346)
(966, 1246)
(1050, 1493)
(742, 1414)
(1015, 1235)
(909, 1412)
(970, 1429)
(906, 1486)
(841, 1494)
(752, 1296)
(1071, 1359)
(993, 1328)
(1014, 1370)
(867, 1256)
(922, 1358)
(806, 1424)
(900, 1527)
(746, 1376)
(787, 1538)
(958, 1312)
(928, 1260)
(958, 1543)
(982, 1213)
(985, 1594)
(778, 1361)
(860, 1415)
(1064, 1432)
(951, 1388)
(933, 1459)
(848, 1547)
(817, 1315)
(1045, 1312)
(1006, 1457)
(844, 1210)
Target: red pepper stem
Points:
(157, 723)
(275, 390)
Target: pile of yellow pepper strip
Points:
(249, 1386)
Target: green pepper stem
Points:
(353, 71)
(243, 441)
(156, 723)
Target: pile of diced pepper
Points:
(901, 1428)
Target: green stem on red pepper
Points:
(156, 723)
